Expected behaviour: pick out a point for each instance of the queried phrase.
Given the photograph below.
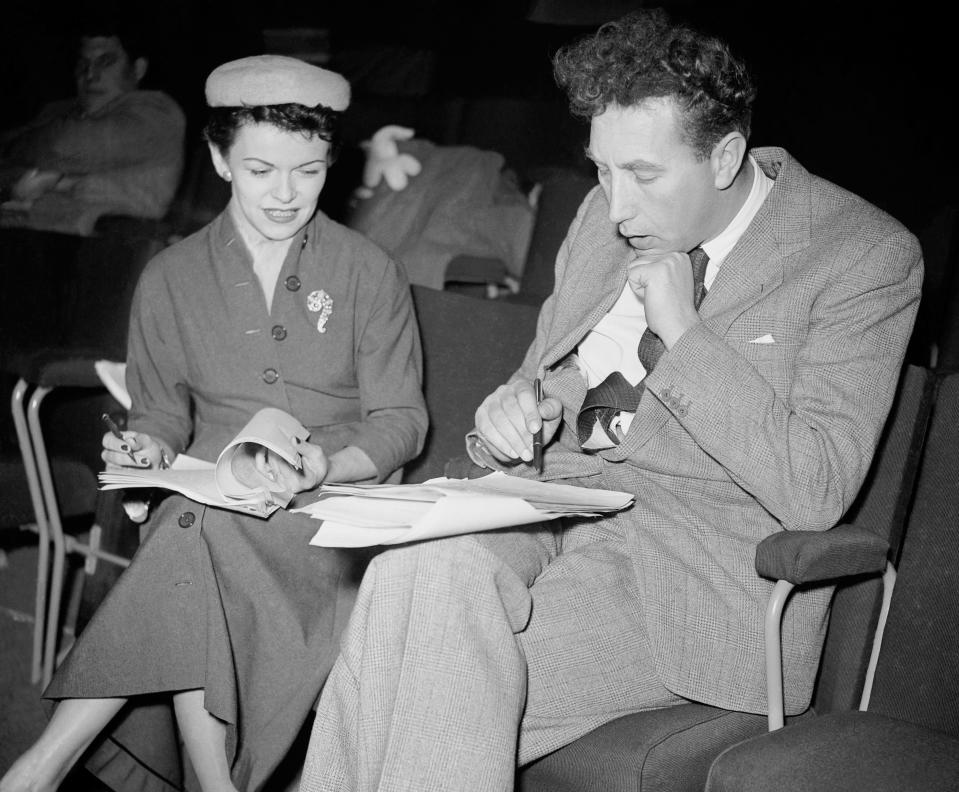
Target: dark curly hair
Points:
(320, 121)
(645, 55)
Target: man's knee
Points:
(466, 571)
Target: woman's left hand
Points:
(282, 475)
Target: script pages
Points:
(232, 482)
(383, 514)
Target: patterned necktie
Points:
(614, 394)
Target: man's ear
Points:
(140, 66)
(727, 158)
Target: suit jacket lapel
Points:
(756, 264)
(591, 288)
(754, 267)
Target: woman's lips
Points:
(281, 215)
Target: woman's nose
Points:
(284, 190)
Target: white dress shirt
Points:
(613, 344)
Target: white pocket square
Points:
(766, 339)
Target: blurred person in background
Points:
(111, 149)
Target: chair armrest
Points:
(816, 556)
(794, 558)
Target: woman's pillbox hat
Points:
(274, 80)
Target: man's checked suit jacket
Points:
(739, 435)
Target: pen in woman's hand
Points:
(538, 434)
(115, 431)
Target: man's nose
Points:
(87, 70)
(620, 203)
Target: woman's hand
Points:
(279, 475)
(136, 449)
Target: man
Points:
(730, 416)
(112, 149)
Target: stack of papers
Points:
(232, 482)
(358, 515)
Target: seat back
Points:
(940, 252)
(470, 346)
(917, 677)
(34, 291)
(562, 192)
(881, 507)
(106, 272)
(201, 196)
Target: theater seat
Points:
(908, 736)
(470, 346)
(672, 749)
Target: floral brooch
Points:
(320, 302)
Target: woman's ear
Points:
(727, 158)
(220, 163)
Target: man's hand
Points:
(34, 183)
(664, 281)
(509, 417)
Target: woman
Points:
(272, 304)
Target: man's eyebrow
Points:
(632, 165)
(641, 164)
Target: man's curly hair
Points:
(644, 55)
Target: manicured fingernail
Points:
(144, 461)
(124, 448)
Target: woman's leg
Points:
(205, 739)
(74, 725)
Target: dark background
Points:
(860, 96)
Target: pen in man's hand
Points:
(115, 431)
(538, 435)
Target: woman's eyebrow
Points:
(317, 161)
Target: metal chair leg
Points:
(43, 527)
(774, 667)
(55, 526)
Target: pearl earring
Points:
(227, 176)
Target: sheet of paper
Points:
(112, 374)
(215, 484)
(547, 495)
(271, 428)
(449, 516)
(199, 485)
(362, 515)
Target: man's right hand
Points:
(509, 417)
(664, 281)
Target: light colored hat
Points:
(273, 80)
